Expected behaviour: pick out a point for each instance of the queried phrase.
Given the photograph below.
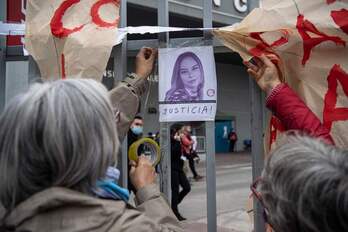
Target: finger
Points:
(266, 61)
(148, 53)
(132, 163)
(258, 62)
(142, 160)
(250, 65)
(132, 170)
(253, 74)
(142, 52)
(272, 57)
(154, 54)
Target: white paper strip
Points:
(19, 29)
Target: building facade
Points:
(233, 111)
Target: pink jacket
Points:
(186, 143)
(294, 114)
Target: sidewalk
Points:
(233, 182)
(236, 221)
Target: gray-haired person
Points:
(56, 143)
(304, 187)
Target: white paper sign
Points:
(187, 84)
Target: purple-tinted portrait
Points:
(187, 80)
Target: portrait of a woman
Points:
(187, 80)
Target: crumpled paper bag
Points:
(71, 38)
(311, 39)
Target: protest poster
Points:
(71, 38)
(187, 84)
(310, 38)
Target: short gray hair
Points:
(305, 186)
(57, 134)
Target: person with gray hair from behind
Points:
(58, 141)
(304, 187)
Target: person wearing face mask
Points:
(136, 129)
(134, 134)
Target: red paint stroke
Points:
(330, 1)
(304, 26)
(57, 28)
(275, 126)
(341, 19)
(265, 48)
(96, 17)
(331, 113)
(62, 60)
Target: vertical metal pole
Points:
(2, 79)
(2, 57)
(257, 149)
(165, 165)
(210, 134)
(3, 18)
(120, 71)
(211, 176)
(163, 20)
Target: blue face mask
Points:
(137, 130)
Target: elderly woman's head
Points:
(57, 134)
(304, 187)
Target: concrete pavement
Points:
(233, 178)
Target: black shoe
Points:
(179, 217)
(198, 177)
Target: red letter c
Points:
(57, 28)
(95, 13)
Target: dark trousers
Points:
(192, 165)
(179, 179)
(232, 144)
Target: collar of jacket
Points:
(47, 200)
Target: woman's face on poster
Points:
(190, 73)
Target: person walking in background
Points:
(232, 137)
(178, 175)
(188, 146)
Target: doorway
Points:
(222, 128)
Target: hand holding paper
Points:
(145, 61)
(264, 72)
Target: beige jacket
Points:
(64, 210)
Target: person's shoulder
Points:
(179, 95)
